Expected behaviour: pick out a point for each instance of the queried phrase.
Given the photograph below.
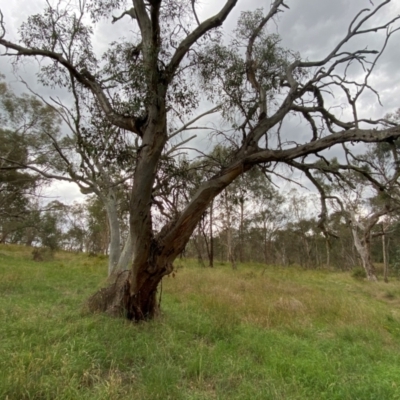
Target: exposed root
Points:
(116, 299)
(110, 300)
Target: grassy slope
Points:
(249, 334)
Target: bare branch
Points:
(184, 127)
(178, 145)
(194, 12)
(351, 33)
(204, 27)
(250, 70)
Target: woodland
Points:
(261, 194)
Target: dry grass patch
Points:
(279, 298)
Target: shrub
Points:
(358, 273)
(42, 254)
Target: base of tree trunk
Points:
(116, 299)
(372, 278)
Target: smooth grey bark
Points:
(114, 229)
(125, 260)
(241, 230)
(363, 244)
(211, 256)
(384, 254)
(265, 241)
(197, 243)
(230, 255)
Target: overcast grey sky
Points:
(310, 27)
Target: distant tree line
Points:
(252, 221)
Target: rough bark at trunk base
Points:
(116, 299)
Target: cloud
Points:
(65, 192)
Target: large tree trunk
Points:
(117, 299)
(133, 293)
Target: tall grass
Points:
(254, 333)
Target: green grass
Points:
(255, 333)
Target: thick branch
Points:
(351, 135)
(174, 237)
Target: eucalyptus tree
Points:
(267, 213)
(99, 158)
(366, 191)
(82, 155)
(76, 227)
(144, 83)
(15, 186)
(25, 121)
(16, 191)
(96, 156)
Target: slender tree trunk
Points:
(229, 240)
(308, 249)
(284, 258)
(211, 235)
(241, 229)
(205, 237)
(125, 259)
(328, 253)
(231, 255)
(197, 244)
(384, 254)
(363, 247)
(354, 252)
(265, 242)
(4, 237)
(371, 274)
(317, 256)
(115, 241)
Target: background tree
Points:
(365, 189)
(25, 123)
